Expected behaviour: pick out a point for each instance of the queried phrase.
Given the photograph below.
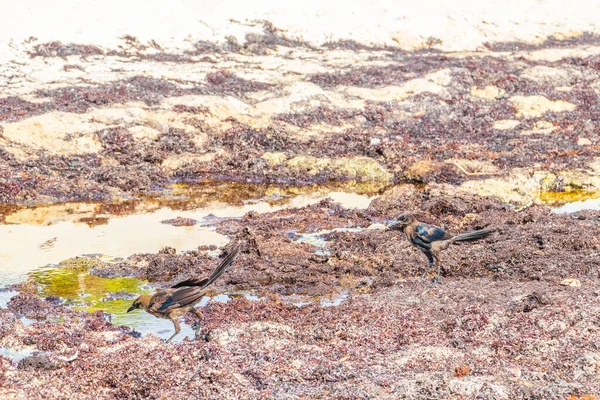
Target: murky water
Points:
(318, 240)
(114, 296)
(15, 355)
(591, 204)
(5, 296)
(37, 239)
(40, 238)
(572, 196)
(570, 202)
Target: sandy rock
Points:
(51, 214)
(540, 127)
(173, 163)
(123, 115)
(408, 41)
(550, 76)
(563, 88)
(563, 35)
(274, 158)
(64, 133)
(140, 132)
(557, 54)
(554, 327)
(536, 106)
(581, 180)
(357, 168)
(56, 132)
(522, 187)
(474, 167)
(595, 165)
(418, 170)
(301, 95)
(219, 108)
(224, 337)
(272, 327)
(488, 92)
(433, 83)
(571, 282)
(505, 124)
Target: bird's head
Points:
(141, 302)
(401, 221)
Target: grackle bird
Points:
(431, 239)
(174, 302)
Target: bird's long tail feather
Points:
(474, 235)
(223, 266)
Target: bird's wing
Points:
(167, 300)
(430, 233)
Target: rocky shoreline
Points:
(516, 315)
(467, 139)
(81, 123)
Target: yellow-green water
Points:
(38, 239)
(88, 292)
(43, 237)
(571, 201)
(560, 198)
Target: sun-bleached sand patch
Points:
(505, 124)
(540, 127)
(536, 106)
(488, 93)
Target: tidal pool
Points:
(83, 291)
(571, 201)
(590, 204)
(114, 296)
(39, 238)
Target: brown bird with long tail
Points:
(176, 301)
(431, 239)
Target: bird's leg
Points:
(426, 271)
(437, 280)
(430, 258)
(177, 328)
(198, 314)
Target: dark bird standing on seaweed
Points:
(431, 239)
(176, 301)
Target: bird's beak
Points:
(392, 225)
(130, 309)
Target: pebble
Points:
(571, 282)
